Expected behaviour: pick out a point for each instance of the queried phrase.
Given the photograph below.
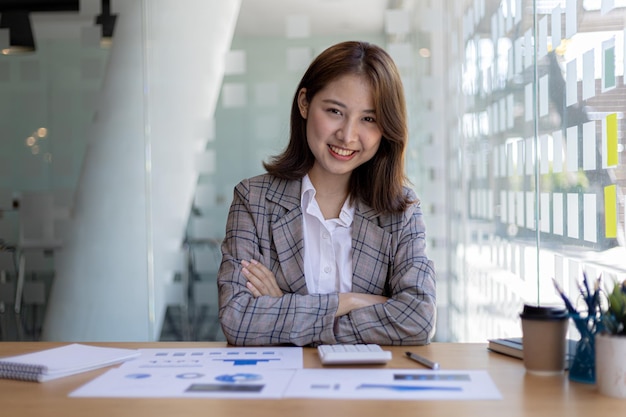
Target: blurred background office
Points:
(124, 126)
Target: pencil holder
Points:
(583, 368)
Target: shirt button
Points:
(325, 235)
(327, 269)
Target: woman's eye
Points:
(335, 111)
(369, 119)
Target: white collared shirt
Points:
(327, 245)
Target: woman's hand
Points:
(349, 301)
(261, 281)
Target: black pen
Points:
(423, 361)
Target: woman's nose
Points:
(348, 131)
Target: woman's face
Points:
(341, 126)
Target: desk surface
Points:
(523, 394)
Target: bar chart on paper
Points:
(192, 373)
(259, 358)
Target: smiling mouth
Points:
(340, 151)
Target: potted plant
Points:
(610, 345)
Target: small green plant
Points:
(614, 317)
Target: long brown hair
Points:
(379, 181)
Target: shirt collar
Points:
(307, 194)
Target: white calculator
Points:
(346, 354)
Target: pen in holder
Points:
(583, 367)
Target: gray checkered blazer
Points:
(388, 257)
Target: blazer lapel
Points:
(371, 252)
(287, 235)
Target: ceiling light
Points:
(21, 38)
(107, 20)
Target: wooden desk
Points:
(523, 394)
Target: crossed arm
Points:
(261, 281)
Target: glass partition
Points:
(534, 160)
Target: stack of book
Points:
(514, 347)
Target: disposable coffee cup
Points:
(544, 332)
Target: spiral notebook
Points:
(62, 361)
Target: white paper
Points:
(392, 384)
(503, 166)
(589, 76)
(519, 203)
(544, 161)
(530, 210)
(509, 158)
(543, 96)
(472, 203)
(224, 358)
(495, 118)
(495, 34)
(528, 101)
(503, 207)
(500, 24)
(502, 114)
(570, 18)
(590, 218)
(572, 216)
(176, 383)
(518, 10)
(510, 66)
(556, 27)
(589, 146)
(528, 48)
(572, 149)
(496, 162)
(520, 158)
(530, 156)
(557, 151)
(571, 80)
(510, 105)
(261, 372)
(542, 45)
(558, 267)
(519, 55)
(557, 214)
(544, 220)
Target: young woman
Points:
(329, 245)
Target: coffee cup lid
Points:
(535, 312)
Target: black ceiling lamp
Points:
(15, 16)
(21, 39)
(107, 21)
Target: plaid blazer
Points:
(388, 257)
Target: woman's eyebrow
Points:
(340, 104)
